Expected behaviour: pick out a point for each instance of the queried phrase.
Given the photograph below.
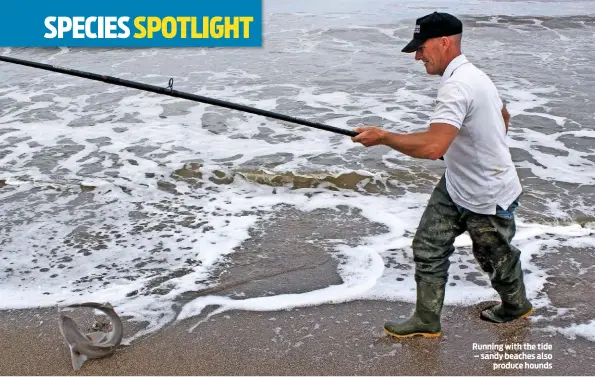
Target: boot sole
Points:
(424, 334)
(530, 312)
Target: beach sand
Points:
(337, 339)
(343, 339)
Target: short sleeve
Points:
(452, 104)
(500, 102)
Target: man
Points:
(479, 190)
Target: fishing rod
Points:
(169, 91)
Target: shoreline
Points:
(328, 339)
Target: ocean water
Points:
(112, 194)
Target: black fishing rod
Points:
(169, 91)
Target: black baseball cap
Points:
(431, 26)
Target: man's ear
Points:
(445, 42)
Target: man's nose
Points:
(418, 55)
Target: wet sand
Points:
(339, 339)
(343, 339)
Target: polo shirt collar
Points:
(454, 64)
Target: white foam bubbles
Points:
(583, 330)
(364, 276)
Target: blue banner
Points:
(131, 23)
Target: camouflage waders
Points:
(441, 223)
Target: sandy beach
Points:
(299, 238)
(339, 339)
(345, 339)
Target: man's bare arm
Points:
(430, 144)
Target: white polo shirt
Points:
(480, 173)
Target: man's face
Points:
(431, 53)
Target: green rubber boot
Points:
(425, 321)
(501, 314)
(515, 305)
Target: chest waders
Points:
(440, 224)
